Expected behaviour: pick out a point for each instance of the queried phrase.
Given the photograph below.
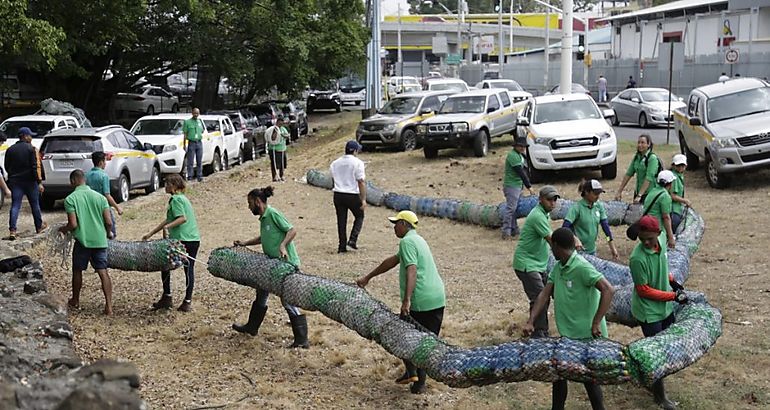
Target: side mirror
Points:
(426, 111)
(491, 109)
(695, 121)
(609, 113)
(147, 146)
(636, 100)
(523, 122)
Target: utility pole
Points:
(510, 33)
(547, 49)
(459, 32)
(565, 85)
(400, 56)
(501, 45)
(373, 68)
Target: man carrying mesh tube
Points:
(514, 181)
(421, 287)
(276, 235)
(654, 289)
(530, 260)
(581, 298)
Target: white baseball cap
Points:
(679, 159)
(666, 177)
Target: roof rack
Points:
(107, 127)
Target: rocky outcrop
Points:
(39, 368)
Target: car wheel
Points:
(481, 144)
(643, 120)
(121, 195)
(46, 202)
(615, 120)
(241, 156)
(430, 152)
(225, 162)
(151, 110)
(339, 108)
(154, 181)
(693, 162)
(715, 178)
(253, 151)
(610, 171)
(408, 140)
(535, 175)
(305, 128)
(175, 108)
(216, 164)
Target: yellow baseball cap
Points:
(407, 216)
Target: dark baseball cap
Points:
(522, 141)
(26, 131)
(549, 192)
(352, 146)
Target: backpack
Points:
(660, 164)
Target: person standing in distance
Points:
(421, 287)
(193, 129)
(88, 218)
(275, 137)
(25, 178)
(348, 176)
(99, 181)
(514, 180)
(601, 83)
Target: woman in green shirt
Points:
(180, 223)
(645, 166)
(585, 216)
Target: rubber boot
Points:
(299, 327)
(256, 316)
(659, 392)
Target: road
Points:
(658, 134)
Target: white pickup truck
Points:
(726, 124)
(39, 124)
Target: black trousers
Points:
(559, 395)
(432, 320)
(189, 271)
(342, 204)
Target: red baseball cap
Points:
(649, 223)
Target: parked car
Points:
(399, 85)
(180, 86)
(576, 88)
(39, 124)
(726, 124)
(227, 143)
(568, 132)
(326, 99)
(515, 91)
(295, 116)
(265, 112)
(130, 164)
(395, 124)
(645, 106)
(258, 128)
(443, 84)
(469, 119)
(147, 99)
(253, 134)
(352, 90)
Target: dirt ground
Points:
(190, 360)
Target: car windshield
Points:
(11, 128)
(464, 104)
(566, 111)
(459, 87)
(71, 144)
(657, 96)
(738, 104)
(508, 85)
(158, 127)
(401, 106)
(351, 84)
(405, 81)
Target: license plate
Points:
(67, 163)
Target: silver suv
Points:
(130, 164)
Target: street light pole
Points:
(565, 85)
(400, 56)
(500, 43)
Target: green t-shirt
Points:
(179, 205)
(273, 227)
(88, 206)
(643, 172)
(677, 188)
(585, 222)
(98, 180)
(662, 205)
(575, 297)
(649, 267)
(283, 134)
(428, 291)
(511, 178)
(193, 129)
(532, 250)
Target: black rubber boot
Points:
(299, 327)
(659, 392)
(256, 316)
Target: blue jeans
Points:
(194, 152)
(261, 300)
(676, 219)
(510, 226)
(19, 189)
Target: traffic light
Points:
(581, 47)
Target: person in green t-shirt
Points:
(530, 261)
(645, 166)
(658, 204)
(678, 165)
(514, 180)
(180, 224)
(654, 289)
(275, 137)
(421, 288)
(99, 181)
(193, 129)
(88, 218)
(581, 298)
(276, 235)
(585, 216)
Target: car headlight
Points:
(657, 110)
(169, 148)
(604, 136)
(389, 127)
(461, 127)
(724, 142)
(422, 129)
(543, 140)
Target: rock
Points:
(90, 398)
(112, 370)
(69, 362)
(7, 397)
(34, 286)
(34, 270)
(58, 329)
(51, 302)
(6, 292)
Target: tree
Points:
(26, 41)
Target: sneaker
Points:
(200, 179)
(43, 228)
(406, 378)
(186, 306)
(165, 302)
(11, 236)
(418, 388)
(352, 245)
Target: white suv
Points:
(39, 124)
(568, 132)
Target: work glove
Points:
(681, 297)
(675, 286)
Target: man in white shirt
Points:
(349, 194)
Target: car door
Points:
(619, 105)
(212, 132)
(231, 139)
(635, 106)
(121, 156)
(508, 116)
(521, 130)
(144, 160)
(431, 103)
(493, 117)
